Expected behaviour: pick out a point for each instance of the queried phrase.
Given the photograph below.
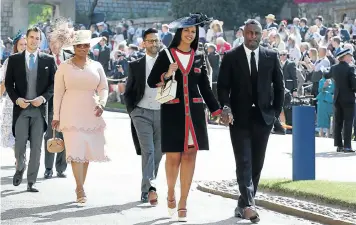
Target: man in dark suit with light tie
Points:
(61, 165)
(29, 82)
(247, 76)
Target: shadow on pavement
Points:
(17, 213)
(8, 168)
(6, 193)
(87, 212)
(8, 180)
(330, 154)
(154, 221)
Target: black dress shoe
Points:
(61, 174)
(48, 174)
(31, 188)
(239, 212)
(340, 149)
(144, 197)
(16, 181)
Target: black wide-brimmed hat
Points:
(194, 19)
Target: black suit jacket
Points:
(235, 89)
(345, 82)
(16, 81)
(134, 91)
(290, 76)
(166, 39)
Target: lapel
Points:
(262, 58)
(141, 73)
(39, 66)
(243, 62)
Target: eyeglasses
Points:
(83, 46)
(153, 41)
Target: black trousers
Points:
(249, 144)
(344, 115)
(61, 164)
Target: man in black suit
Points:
(166, 36)
(61, 165)
(247, 74)
(344, 100)
(145, 114)
(29, 83)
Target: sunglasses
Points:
(82, 46)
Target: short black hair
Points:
(320, 18)
(254, 22)
(34, 29)
(149, 31)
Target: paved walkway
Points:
(113, 188)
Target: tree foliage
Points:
(232, 12)
(39, 13)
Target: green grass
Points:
(329, 192)
(115, 105)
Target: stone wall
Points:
(118, 9)
(331, 11)
(6, 15)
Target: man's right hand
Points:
(226, 116)
(22, 103)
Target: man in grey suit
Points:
(61, 164)
(145, 115)
(29, 82)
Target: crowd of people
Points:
(64, 65)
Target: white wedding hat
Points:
(82, 37)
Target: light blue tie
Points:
(32, 61)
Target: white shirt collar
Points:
(149, 58)
(28, 54)
(248, 51)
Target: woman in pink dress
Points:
(80, 94)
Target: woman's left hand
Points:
(98, 110)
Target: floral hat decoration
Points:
(194, 19)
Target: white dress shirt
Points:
(148, 100)
(27, 57)
(248, 55)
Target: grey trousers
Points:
(61, 164)
(148, 127)
(29, 126)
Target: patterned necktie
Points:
(58, 60)
(32, 61)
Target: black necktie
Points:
(254, 72)
(254, 75)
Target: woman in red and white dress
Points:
(183, 123)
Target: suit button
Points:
(185, 85)
(187, 105)
(187, 114)
(186, 95)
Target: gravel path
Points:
(230, 186)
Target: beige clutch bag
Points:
(55, 145)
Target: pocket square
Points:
(46, 68)
(197, 70)
(197, 61)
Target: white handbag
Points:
(168, 91)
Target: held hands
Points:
(98, 110)
(37, 102)
(23, 103)
(226, 116)
(172, 68)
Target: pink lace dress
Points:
(76, 94)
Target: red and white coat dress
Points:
(183, 121)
